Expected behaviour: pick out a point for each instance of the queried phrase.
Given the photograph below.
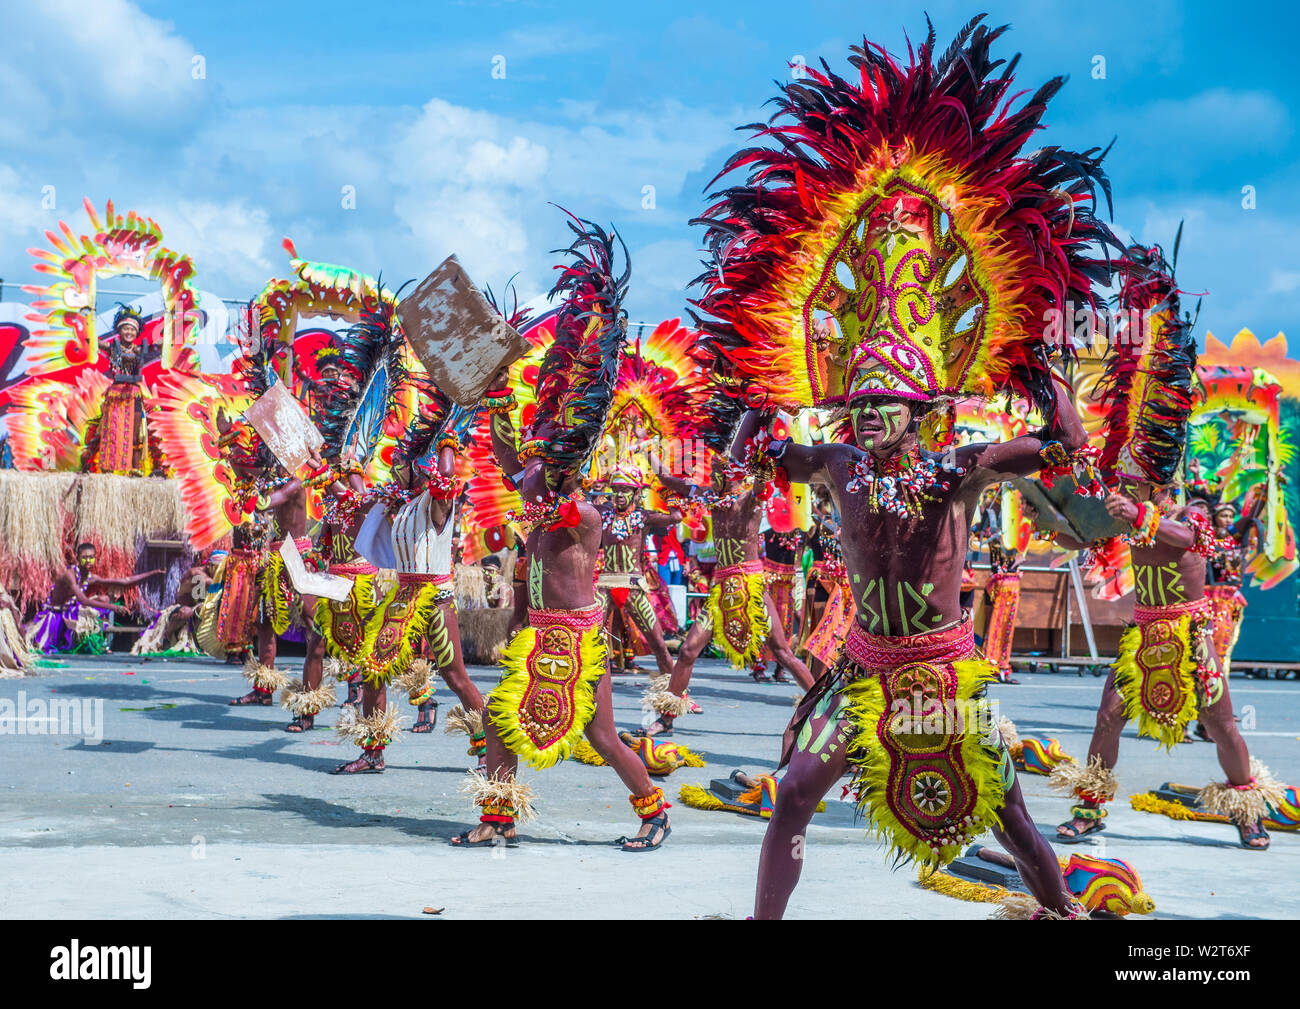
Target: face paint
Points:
(891, 415)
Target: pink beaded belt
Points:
(871, 651)
(423, 578)
(357, 567)
(576, 620)
(1195, 608)
(743, 568)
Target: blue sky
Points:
(399, 101)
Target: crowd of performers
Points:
(931, 286)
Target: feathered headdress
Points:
(128, 313)
(352, 410)
(897, 233)
(576, 382)
(1146, 393)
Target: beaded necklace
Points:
(622, 526)
(898, 485)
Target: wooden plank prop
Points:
(284, 425)
(461, 340)
(1061, 510)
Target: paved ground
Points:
(189, 808)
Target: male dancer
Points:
(1223, 574)
(624, 524)
(741, 616)
(1166, 670)
(278, 510)
(905, 525)
(555, 686)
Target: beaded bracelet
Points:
(1145, 526)
(500, 401)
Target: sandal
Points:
(364, 764)
(760, 676)
(427, 717)
(780, 677)
(658, 822)
(1094, 827)
(255, 697)
(302, 723)
(1246, 836)
(462, 840)
(665, 730)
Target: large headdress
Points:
(353, 406)
(1146, 393)
(576, 382)
(895, 239)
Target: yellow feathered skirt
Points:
(405, 613)
(738, 612)
(547, 692)
(350, 626)
(1156, 670)
(930, 768)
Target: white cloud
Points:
(108, 56)
(230, 240)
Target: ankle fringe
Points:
(460, 720)
(302, 702)
(266, 678)
(1245, 804)
(1090, 780)
(483, 790)
(379, 728)
(416, 680)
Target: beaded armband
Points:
(448, 439)
(500, 401)
(1144, 526)
(1203, 541)
(533, 449)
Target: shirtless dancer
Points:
(555, 686)
(911, 643)
(284, 510)
(624, 526)
(1167, 669)
(743, 617)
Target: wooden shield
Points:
(1061, 510)
(284, 425)
(461, 340)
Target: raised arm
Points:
(662, 520)
(1169, 532)
(501, 426)
(122, 583)
(802, 463)
(674, 484)
(1022, 456)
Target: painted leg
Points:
(603, 736)
(780, 646)
(1035, 860)
(1104, 746)
(818, 762)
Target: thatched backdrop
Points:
(43, 516)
